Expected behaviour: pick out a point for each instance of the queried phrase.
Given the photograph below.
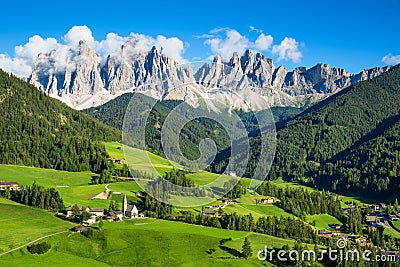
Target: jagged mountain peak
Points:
(235, 60)
(84, 81)
(217, 59)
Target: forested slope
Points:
(40, 131)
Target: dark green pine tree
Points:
(246, 249)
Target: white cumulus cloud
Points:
(33, 47)
(78, 33)
(288, 49)
(15, 65)
(233, 42)
(172, 47)
(264, 42)
(225, 41)
(391, 59)
(25, 55)
(112, 44)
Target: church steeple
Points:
(124, 205)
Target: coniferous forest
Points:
(35, 196)
(40, 131)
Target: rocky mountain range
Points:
(86, 82)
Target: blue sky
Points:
(349, 34)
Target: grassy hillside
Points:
(40, 131)
(322, 221)
(21, 224)
(257, 210)
(150, 242)
(139, 159)
(73, 187)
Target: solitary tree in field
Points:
(86, 216)
(101, 223)
(246, 249)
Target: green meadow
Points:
(47, 177)
(256, 210)
(283, 184)
(396, 224)
(73, 187)
(133, 242)
(141, 160)
(390, 232)
(21, 224)
(322, 221)
(147, 242)
(149, 162)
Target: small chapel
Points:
(130, 211)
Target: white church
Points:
(130, 211)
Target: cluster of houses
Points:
(376, 208)
(265, 200)
(334, 230)
(69, 212)
(9, 186)
(372, 220)
(128, 211)
(376, 217)
(227, 201)
(211, 213)
(360, 240)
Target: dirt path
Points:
(103, 195)
(27, 244)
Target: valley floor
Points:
(134, 242)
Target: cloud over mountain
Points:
(391, 59)
(288, 49)
(25, 55)
(226, 41)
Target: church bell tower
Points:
(124, 205)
